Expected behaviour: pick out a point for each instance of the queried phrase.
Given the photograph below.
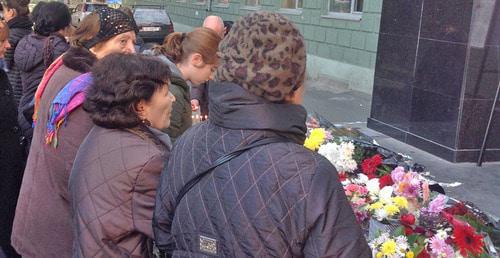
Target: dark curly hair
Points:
(120, 81)
(50, 17)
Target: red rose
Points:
(457, 209)
(385, 180)
(407, 219)
(342, 177)
(408, 231)
(369, 166)
(424, 254)
(420, 230)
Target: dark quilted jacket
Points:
(32, 62)
(11, 159)
(19, 27)
(277, 200)
(113, 186)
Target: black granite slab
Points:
(440, 67)
(446, 20)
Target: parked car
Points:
(84, 9)
(153, 21)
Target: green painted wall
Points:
(343, 51)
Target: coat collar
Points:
(79, 59)
(231, 106)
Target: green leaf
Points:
(399, 231)
(417, 243)
(384, 170)
(412, 239)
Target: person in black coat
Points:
(35, 52)
(15, 13)
(12, 159)
(276, 198)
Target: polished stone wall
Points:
(436, 75)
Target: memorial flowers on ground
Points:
(409, 220)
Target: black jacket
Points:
(33, 55)
(12, 159)
(19, 27)
(277, 200)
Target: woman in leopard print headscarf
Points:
(277, 199)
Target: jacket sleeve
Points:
(333, 230)
(163, 213)
(178, 113)
(144, 193)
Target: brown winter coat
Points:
(42, 225)
(113, 187)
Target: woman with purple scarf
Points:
(42, 224)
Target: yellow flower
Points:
(401, 202)
(410, 254)
(379, 255)
(391, 209)
(376, 206)
(315, 139)
(389, 247)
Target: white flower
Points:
(381, 214)
(402, 243)
(373, 186)
(385, 194)
(442, 234)
(339, 155)
(379, 240)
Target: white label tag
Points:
(208, 245)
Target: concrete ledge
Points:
(290, 11)
(251, 8)
(343, 16)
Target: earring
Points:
(146, 122)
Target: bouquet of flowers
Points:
(385, 188)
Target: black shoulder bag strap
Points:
(222, 160)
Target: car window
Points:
(151, 16)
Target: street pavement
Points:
(464, 181)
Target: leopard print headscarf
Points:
(265, 54)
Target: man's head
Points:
(214, 23)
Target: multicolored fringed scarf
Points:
(43, 84)
(67, 100)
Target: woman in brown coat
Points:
(42, 225)
(117, 168)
